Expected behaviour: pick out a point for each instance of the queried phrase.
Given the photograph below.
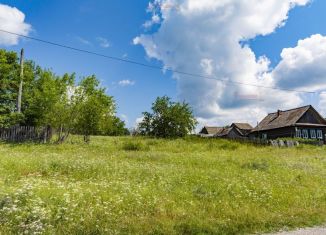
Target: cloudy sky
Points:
(243, 50)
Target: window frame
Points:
(305, 134)
(313, 134)
(298, 133)
(319, 134)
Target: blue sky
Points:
(87, 23)
(302, 22)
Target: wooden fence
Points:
(26, 133)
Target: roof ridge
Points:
(306, 106)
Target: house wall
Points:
(310, 117)
(234, 134)
(323, 129)
(286, 132)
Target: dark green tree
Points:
(168, 119)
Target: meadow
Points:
(124, 185)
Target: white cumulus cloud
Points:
(155, 20)
(322, 104)
(303, 66)
(206, 37)
(126, 83)
(12, 20)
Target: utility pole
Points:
(20, 92)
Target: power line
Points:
(154, 66)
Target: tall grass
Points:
(153, 186)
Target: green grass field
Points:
(148, 186)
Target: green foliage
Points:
(177, 186)
(56, 101)
(112, 126)
(9, 84)
(168, 120)
(95, 108)
(47, 104)
(9, 71)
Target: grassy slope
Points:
(168, 187)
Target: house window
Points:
(298, 133)
(313, 134)
(264, 136)
(319, 134)
(305, 134)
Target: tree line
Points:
(84, 108)
(55, 101)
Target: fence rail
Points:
(25, 133)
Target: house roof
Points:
(282, 118)
(213, 130)
(242, 126)
(225, 131)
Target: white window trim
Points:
(298, 133)
(305, 134)
(320, 134)
(313, 134)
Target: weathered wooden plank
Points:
(25, 133)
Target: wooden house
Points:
(304, 122)
(235, 131)
(210, 131)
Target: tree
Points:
(168, 120)
(55, 101)
(8, 88)
(92, 106)
(113, 126)
(63, 115)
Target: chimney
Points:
(279, 113)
